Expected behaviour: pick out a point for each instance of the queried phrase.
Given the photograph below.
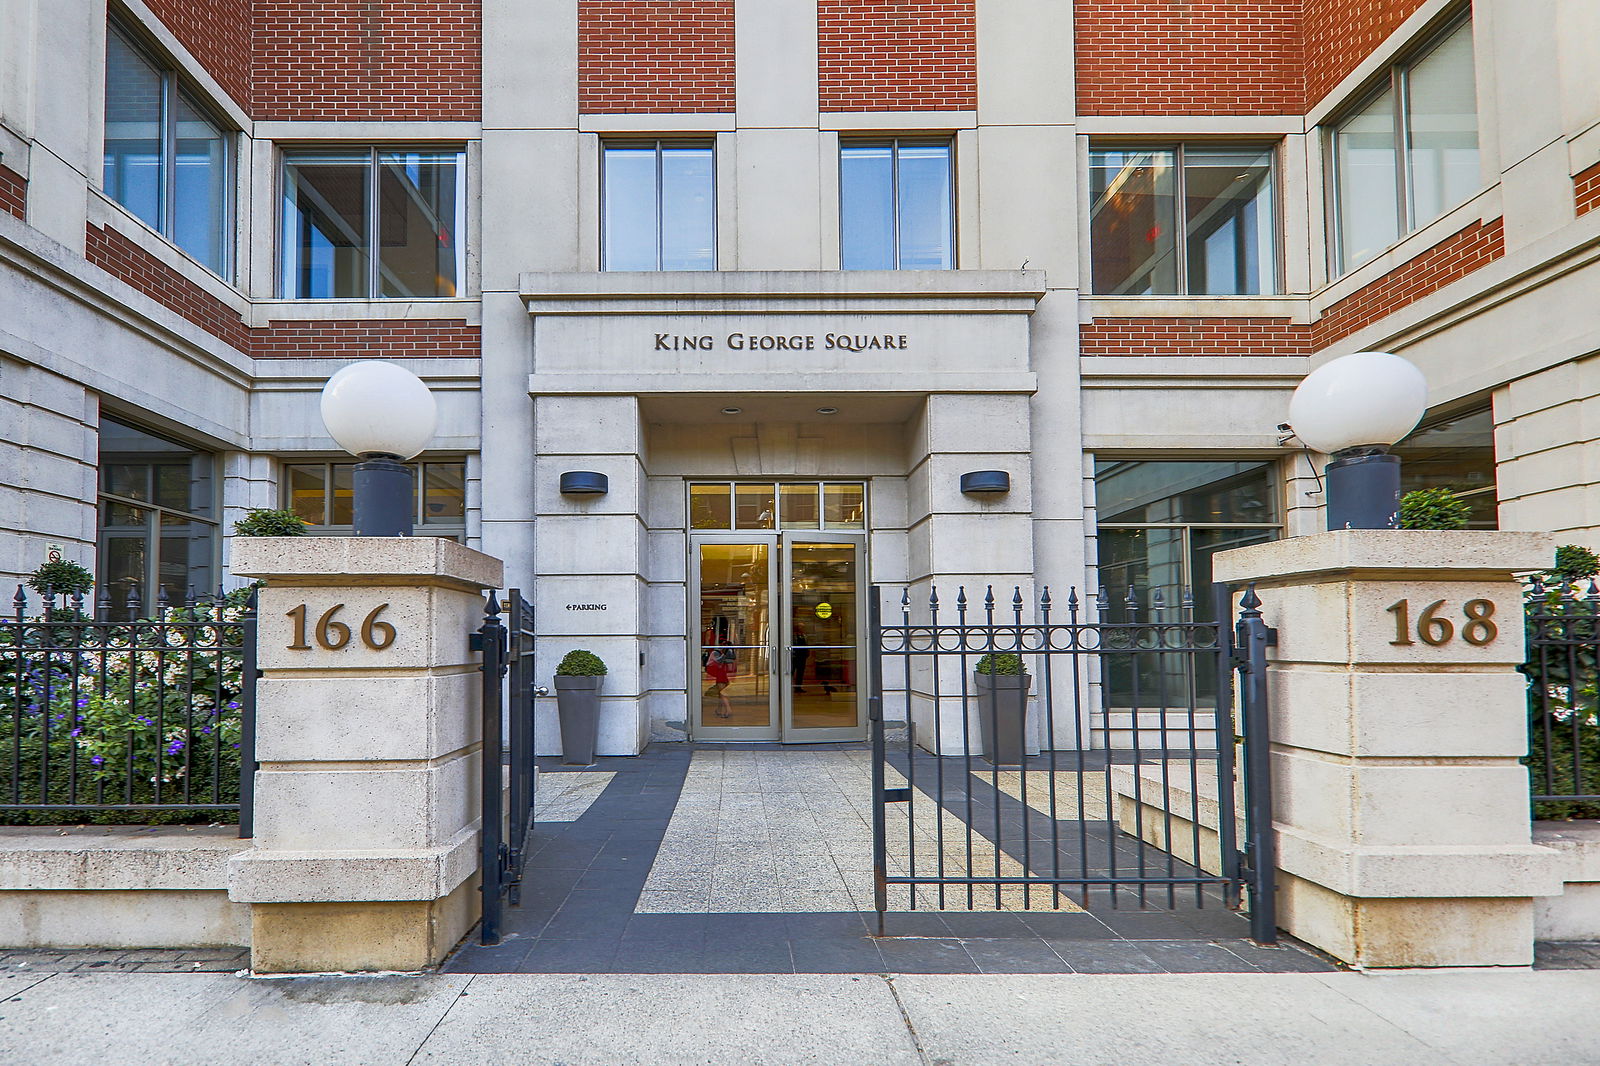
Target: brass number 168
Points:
(1436, 630)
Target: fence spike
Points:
(20, 601)
(1016, 598)
(103, 606)
(1250, 602)
(1044, 597)
(1187, 602)
(1157, 600)
(133, 602)
(1102, 601)
(491, 608)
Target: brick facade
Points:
(655, 56)
(217, 34)
(1586, 189)
(408, 338)
(325, 338)
(122, 258)
(897, 55)
(13, 192)
(1450, 260)
(1179, 57)
(350, 60)
(1339, 34)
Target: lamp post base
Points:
(1364, 492)
(383, 501)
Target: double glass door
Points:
(775, 637)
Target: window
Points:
(373, 223)
(1455, 453)
(322, 494)
(660, 208)
(1192, 220)
(166, 159)
(1160, 523)
(158, 528)
(896, 205)
(1409, 152)
(740, 505)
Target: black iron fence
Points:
(508, 752)
(127, 722)
(1563, 670)
(1085, 752)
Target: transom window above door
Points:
(831, 505)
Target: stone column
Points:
(367, 798)
(1398, 719)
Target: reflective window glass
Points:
(133, 138)
(798, 507)
(444, 497)
(843, 506)
(323, 496)
(660, 207)
(753, 506)
(342, 495)
(325, 246)
(711, 506)
(1410, 153)
(1132, 221)
(1185, 492)
(307, 492)
(896, 206)
(1228, 220)
(421, 212)
(1455, 453)
(166, 159)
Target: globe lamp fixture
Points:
(1355, 408)
(383, 414)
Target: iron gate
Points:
(1115, 764)
(508, 752)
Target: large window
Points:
(1160, 523)
(1409, 152)
(323, 495)
(660, 206)
(738, 505)
(158, 528)
(166, 159)
(1192, 220)
(896, 205)
(1455, 453)
(371, 223)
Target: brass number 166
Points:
(333, 635)
(1436, 630)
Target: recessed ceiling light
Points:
(732, 410)
(827, 410)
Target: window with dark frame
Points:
(158, 537)
(1183, 219)
(1455, 453)
(167, 159)
(322, 495)
(373, 223)
(896, 204)
(1408, 152)
(659, 205)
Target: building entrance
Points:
(776, 636)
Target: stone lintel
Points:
(1387, 555)
(289, 876)
(365, 561)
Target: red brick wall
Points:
(1191, 57)
(1339, 34)
(1450, 260)
(13, 192)
(367, 59)
(121, 257)
(1586, 189)
(217, 33)
(655, 56)
(897, 55)
(1211, 337)
(404, 338)
(373, 338)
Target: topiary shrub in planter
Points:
(1433, 509)
(578, 680)
(1002, 686)
(269, 522)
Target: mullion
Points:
(894, 200)
(1180, 192)
(169, 152)
(372, 224)
(1401, 81)
(661, 210)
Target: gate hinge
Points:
(1272, 637)
(474, 641)
(897, 795)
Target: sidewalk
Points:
(920, 1020)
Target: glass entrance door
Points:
(776, 637)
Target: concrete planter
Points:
(578, 705)
(1003, 716)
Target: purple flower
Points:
(98, 760)
(77, 732)
(175, 747)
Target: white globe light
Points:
(1366, 398)
(374, 407)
